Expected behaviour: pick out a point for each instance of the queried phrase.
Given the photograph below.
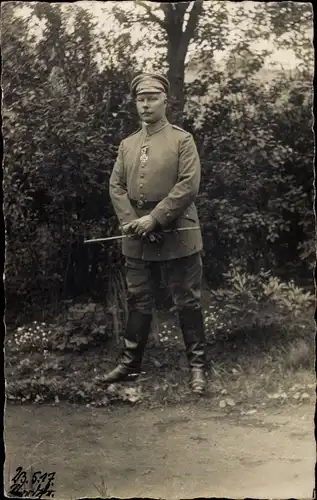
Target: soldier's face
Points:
(151, 106)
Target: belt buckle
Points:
(140, 204)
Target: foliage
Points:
(80, 327)
(256, 207)
(64, 116)
(33, 337)
(248, 303)
(40, 370)
(244, 303)
(61, 141)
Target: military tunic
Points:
(157, 172)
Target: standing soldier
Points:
(153, 187)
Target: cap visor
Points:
(149, 90)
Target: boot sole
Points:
(128, 378)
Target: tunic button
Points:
(141, 185)
(140, 204)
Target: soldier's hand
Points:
(143, 226)
(128, 228)
(155, 237)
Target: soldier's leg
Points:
(185, 277)
(140, 305)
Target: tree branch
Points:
(169, 8)
(151, 16)
(191, 24)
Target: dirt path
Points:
(169, 453)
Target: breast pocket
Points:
(161, 175)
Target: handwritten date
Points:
(38, 484)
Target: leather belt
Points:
(144, 204)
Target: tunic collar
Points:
(152, 128)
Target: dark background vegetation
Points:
(64, 116)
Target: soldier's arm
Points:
(186, 189)
(118, 191)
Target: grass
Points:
(258, 350)
(246, 374)
(298, 355)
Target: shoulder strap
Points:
(133, 133)
(181, 129)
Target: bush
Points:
(256, 148)
(57, 167)
(80, 327)
(63, 120)
(249, 303)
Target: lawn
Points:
(261, 352)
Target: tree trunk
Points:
(176, 75)
(179, 33)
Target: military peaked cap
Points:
(149, 82)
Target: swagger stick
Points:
(109, 238)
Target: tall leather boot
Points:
(136, 336)
(192, 326)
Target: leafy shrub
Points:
(56, 169)
(83, 326)
(64, 117)
(248, 301)
(35, 337)
(256, 200)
